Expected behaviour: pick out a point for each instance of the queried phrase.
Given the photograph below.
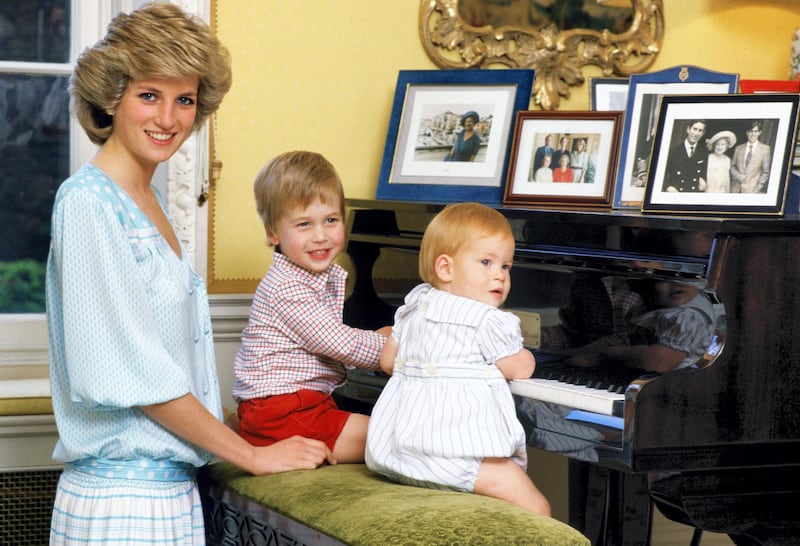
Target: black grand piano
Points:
(715, 445)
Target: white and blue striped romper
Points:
(447, 406)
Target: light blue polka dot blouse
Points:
(128, 324)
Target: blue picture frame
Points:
(641, 114)
(427, 106)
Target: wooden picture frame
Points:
(585, 176)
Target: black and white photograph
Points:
(725, 153)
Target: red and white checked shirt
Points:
(295, 338)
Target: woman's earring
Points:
(110, 111)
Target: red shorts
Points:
(313, 414)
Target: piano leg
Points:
(610, 507)
(364, 308)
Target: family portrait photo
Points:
(722, 154)
(564, 158)
(708, 156)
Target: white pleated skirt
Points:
(96, 510)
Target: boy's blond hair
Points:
(295, 179)
(455, 226)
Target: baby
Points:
(446, 418)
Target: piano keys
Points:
(732, 410)
(583, 397)
(586, 390)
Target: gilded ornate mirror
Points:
(554, 37)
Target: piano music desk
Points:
(348, 504)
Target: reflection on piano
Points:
(714, 444)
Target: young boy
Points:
(295, 349)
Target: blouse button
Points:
(430, 368)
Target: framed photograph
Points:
(449, 134)
(563, 158)
(608, 94)
(638, 134)
(723, 154)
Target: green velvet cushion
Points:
(355, 506)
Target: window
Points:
(34, 142)
(41, 144)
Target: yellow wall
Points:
(320, 75)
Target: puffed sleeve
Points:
(499, 335)
(112, 347)
(410, 304)
(685, 329)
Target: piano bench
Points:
(348, 504)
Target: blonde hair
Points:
(295, 179)
(455, 226)
(158, 40)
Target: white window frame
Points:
(23, 337)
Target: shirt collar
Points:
(440, 304)
(316, 280)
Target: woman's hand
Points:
(295, 453)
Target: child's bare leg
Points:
(352, 442)
(505, 479)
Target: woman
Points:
(578, 160)
(718, 168)
(133, 379)
(468, 142)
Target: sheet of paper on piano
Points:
(531, 325)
